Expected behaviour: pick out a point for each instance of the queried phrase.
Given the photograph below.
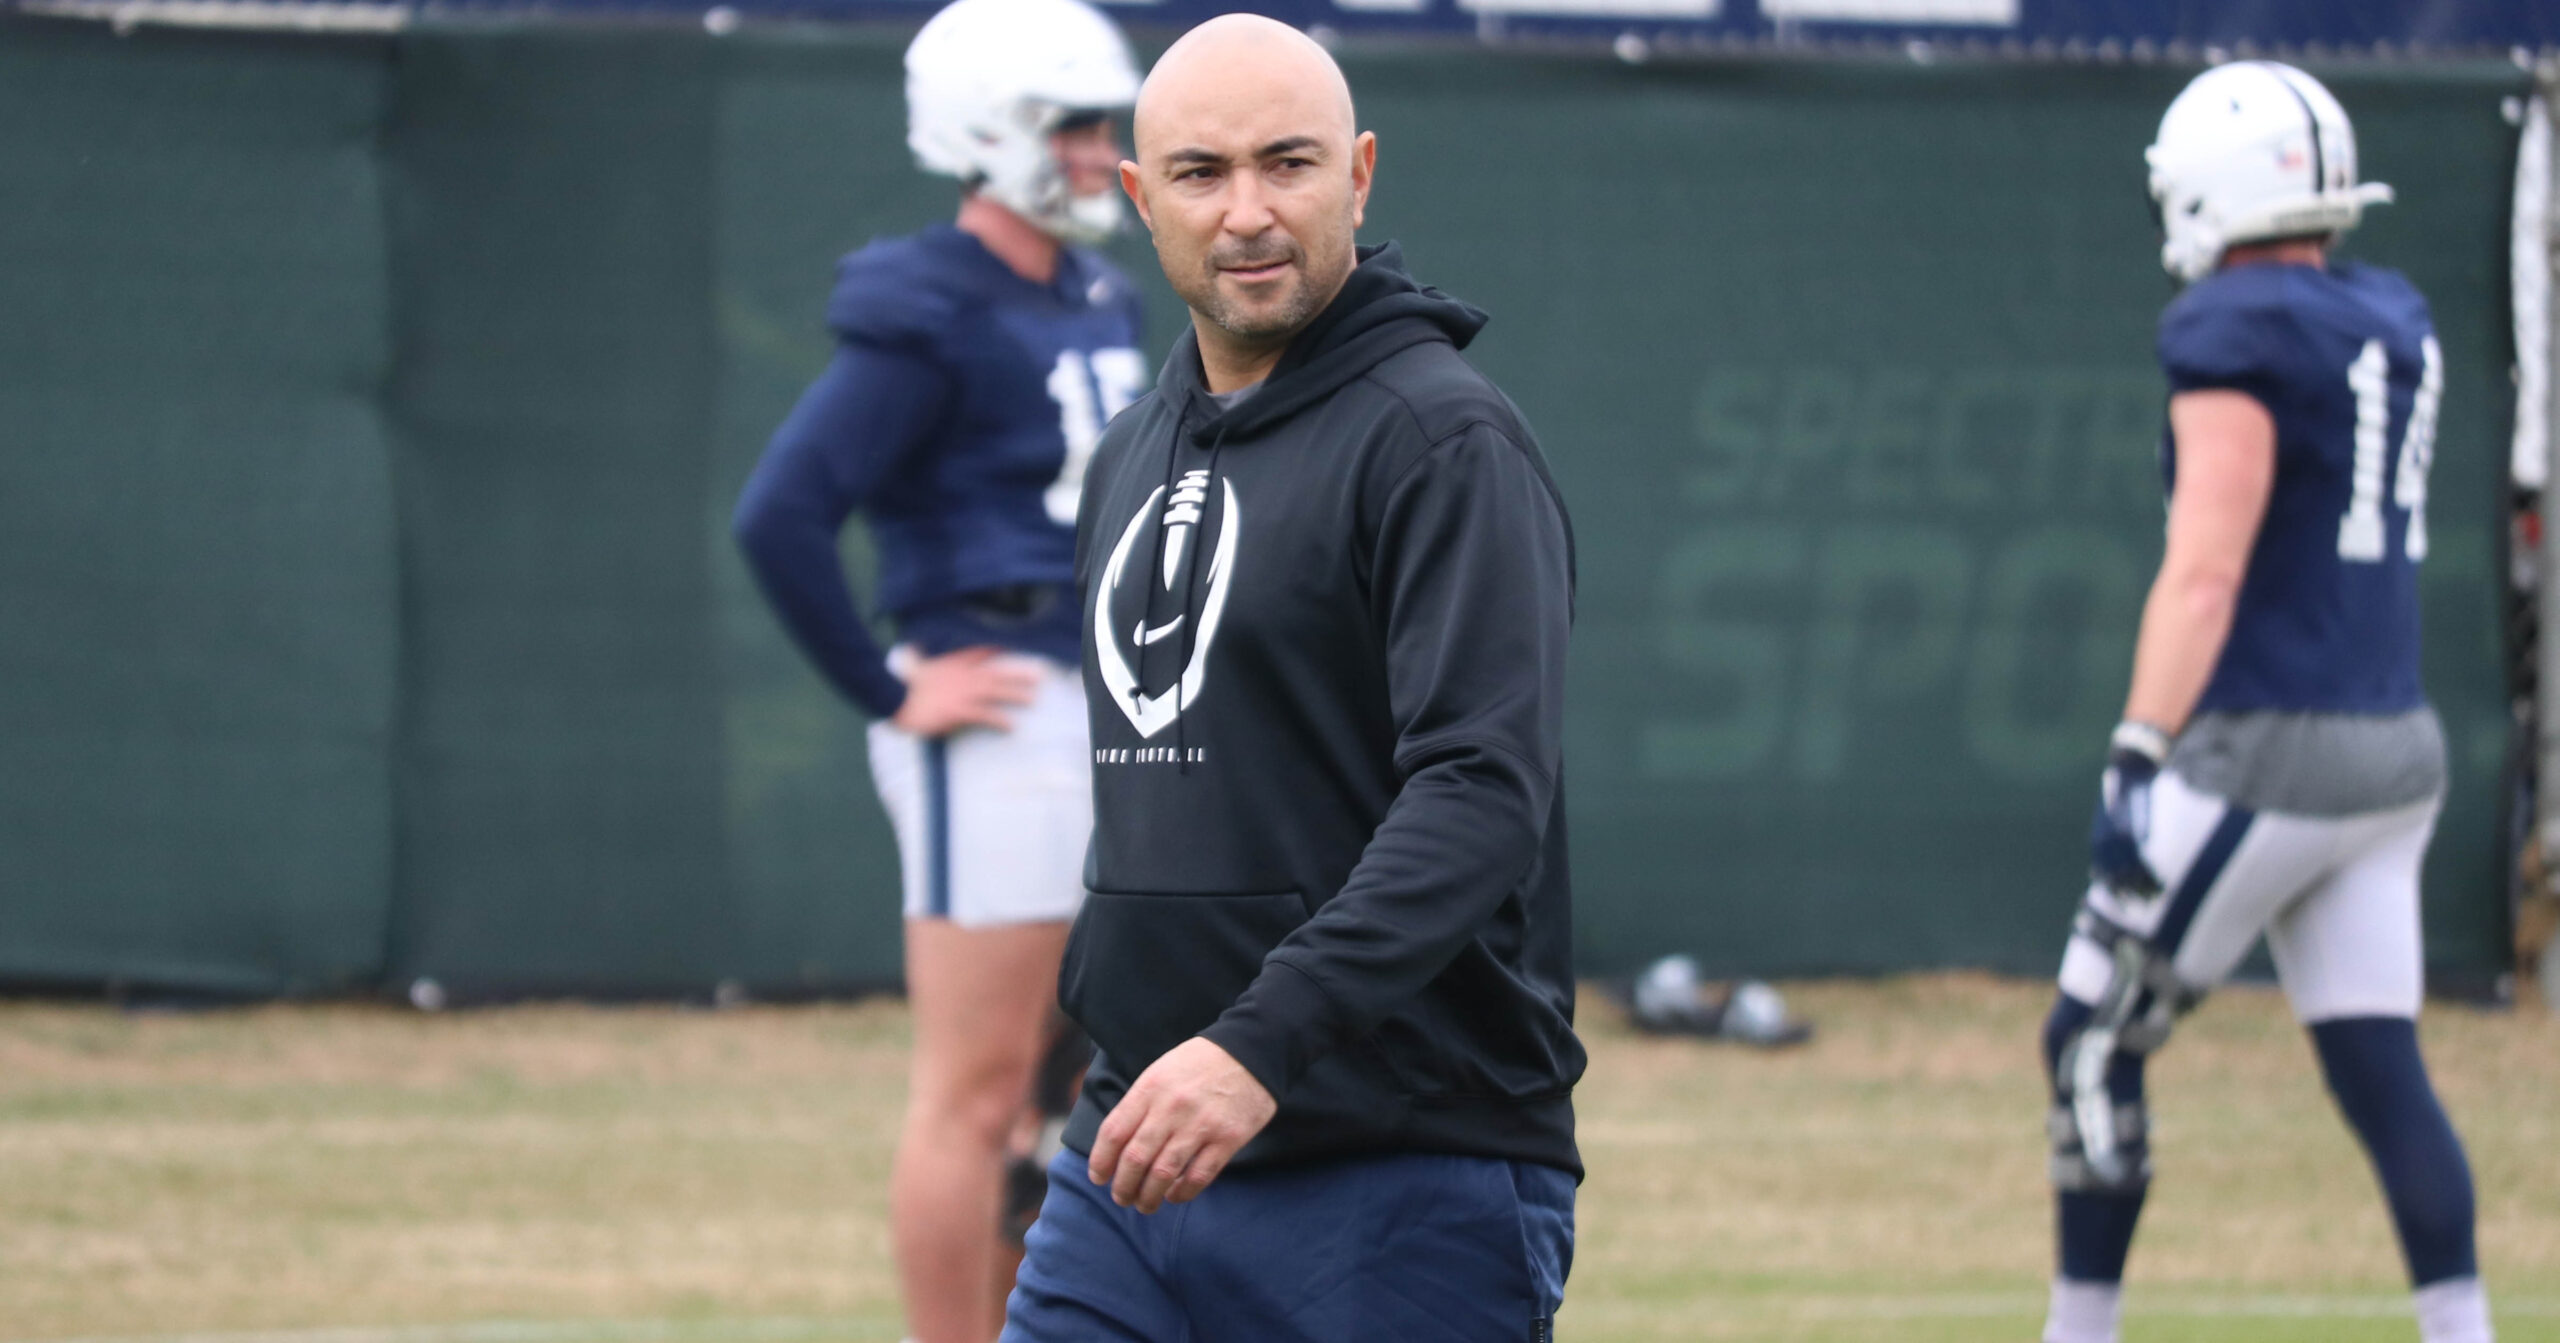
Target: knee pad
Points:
(2102, 1142)
(2104, 1153)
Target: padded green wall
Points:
(1847, 374)
(1844, 368)
(199, 651)
(560, 822)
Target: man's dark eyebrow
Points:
(1294, 144)
(1194, 155)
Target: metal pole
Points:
(2536, 279)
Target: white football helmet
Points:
(988, 81)
(2252, 150)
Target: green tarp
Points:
(199, 656)
(380, 404)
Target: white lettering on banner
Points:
(1987, 13)
(1600, 9)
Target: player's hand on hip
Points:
(1182, 1121)
(974, 687)
(2123, 821)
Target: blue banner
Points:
(2092, 29)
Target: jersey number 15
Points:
(2361, 534)
(1089, 390)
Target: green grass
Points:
(567, 1175)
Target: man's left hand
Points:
(1182, 1121)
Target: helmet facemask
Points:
(1042, 191)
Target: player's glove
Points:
(2116, 834)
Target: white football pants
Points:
(2336, 896)
(992, 826)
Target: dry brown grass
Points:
(294, 1166)
(346, 1165)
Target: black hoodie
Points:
(1324, 658)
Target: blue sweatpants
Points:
(1409, 1248)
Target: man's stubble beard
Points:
(1276, 327)
(1280, 326)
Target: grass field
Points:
(350, 1174)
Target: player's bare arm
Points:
(2226, 456)
(2225, 445)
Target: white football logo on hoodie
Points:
(1151, 714)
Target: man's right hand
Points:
(974, 687)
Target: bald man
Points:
(1325, 955)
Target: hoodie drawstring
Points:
(1190, 587)
(1146, 612)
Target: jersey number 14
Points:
(1089, 390)
(2361, 535)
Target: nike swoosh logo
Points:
(1145, 636)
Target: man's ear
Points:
(1129, 188)
(1364, 171)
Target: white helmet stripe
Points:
(2319, 165)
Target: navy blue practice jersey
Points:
(2345, 359)
(1035, 372)
(957, 416)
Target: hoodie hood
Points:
(1381, 310)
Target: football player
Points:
(975, 366)
(2278, 769)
